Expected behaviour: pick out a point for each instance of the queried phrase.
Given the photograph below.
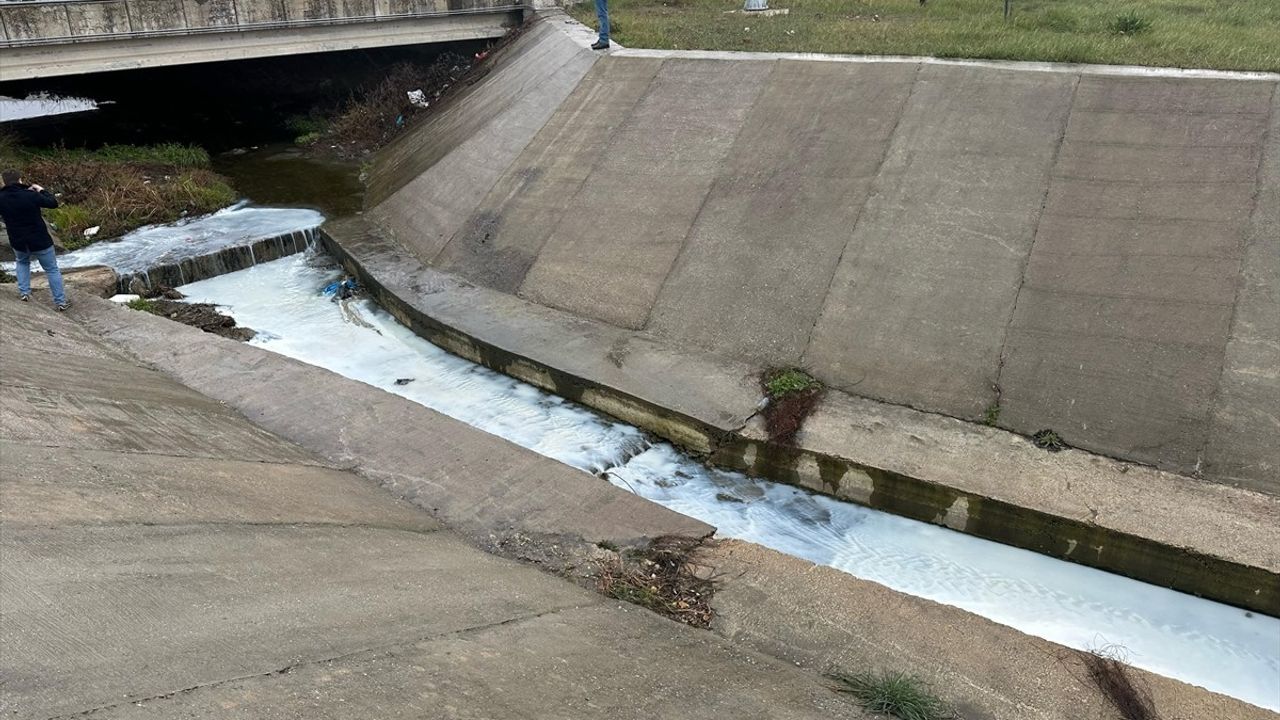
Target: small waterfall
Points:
(217, 263)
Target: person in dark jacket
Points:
(28, 235)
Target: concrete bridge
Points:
(49, 38)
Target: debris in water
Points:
(341, 289)
(404, 381)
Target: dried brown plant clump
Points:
(664, 578)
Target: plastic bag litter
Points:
(417, 98)
(341, 289)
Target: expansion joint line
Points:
(1245, 239)
(996, 386)
(871, 193)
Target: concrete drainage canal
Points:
(1216, 646)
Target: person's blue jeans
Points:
(602, 14)
(48, 261)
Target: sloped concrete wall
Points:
(1087, 251)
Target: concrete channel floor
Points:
(160, 556)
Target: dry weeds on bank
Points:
(119, 188)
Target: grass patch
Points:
(663, 578)
(119, 188)
(1131, 23)
(791, 395)
(894, 694)
(782, 382)
(1238, 35)
(144, 305)
(306, 129)
(1049, 440)
(991, 416)
(170, 155)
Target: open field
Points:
(1216, 34)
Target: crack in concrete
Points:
(383, 648)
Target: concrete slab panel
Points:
(1172, 96)
(356, 8)
(467, 151)
(754, 274)
(41, 416)
(98, 18)
(107, 379)
(1119, 349)
(1146, 400)
(775, 223)
(1194, 280)
(35, 22)
(608, 259)
(1102, 237)
(918, 305)
(1092, 199)
(100, 615)
(1157, 164)
(821, 120)
(311, 9)
(1242, 447)
(209, 13)
(1088, 316)
(687, 122)
(250, 12)
(48, 332)
(478, 483)
(591, 662)
(48, 486)
(156, 15)
(1166, 130)
(501, 240)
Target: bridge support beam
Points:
(44, 61)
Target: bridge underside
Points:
(76, 58)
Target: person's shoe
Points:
(24, 298)
(599, 45)
(63, 306)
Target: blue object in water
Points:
(341, 288)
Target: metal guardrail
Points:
(25, 23)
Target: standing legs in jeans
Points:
(48, 262)
(602, 14)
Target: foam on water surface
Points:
(156, 245)
(41, 105)
(1216, 646)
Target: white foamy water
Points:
(1216, 646)
(155, 245)
(41, 105)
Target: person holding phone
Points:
(20, 206)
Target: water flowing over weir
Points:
(1216, 646)
(231, 239)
